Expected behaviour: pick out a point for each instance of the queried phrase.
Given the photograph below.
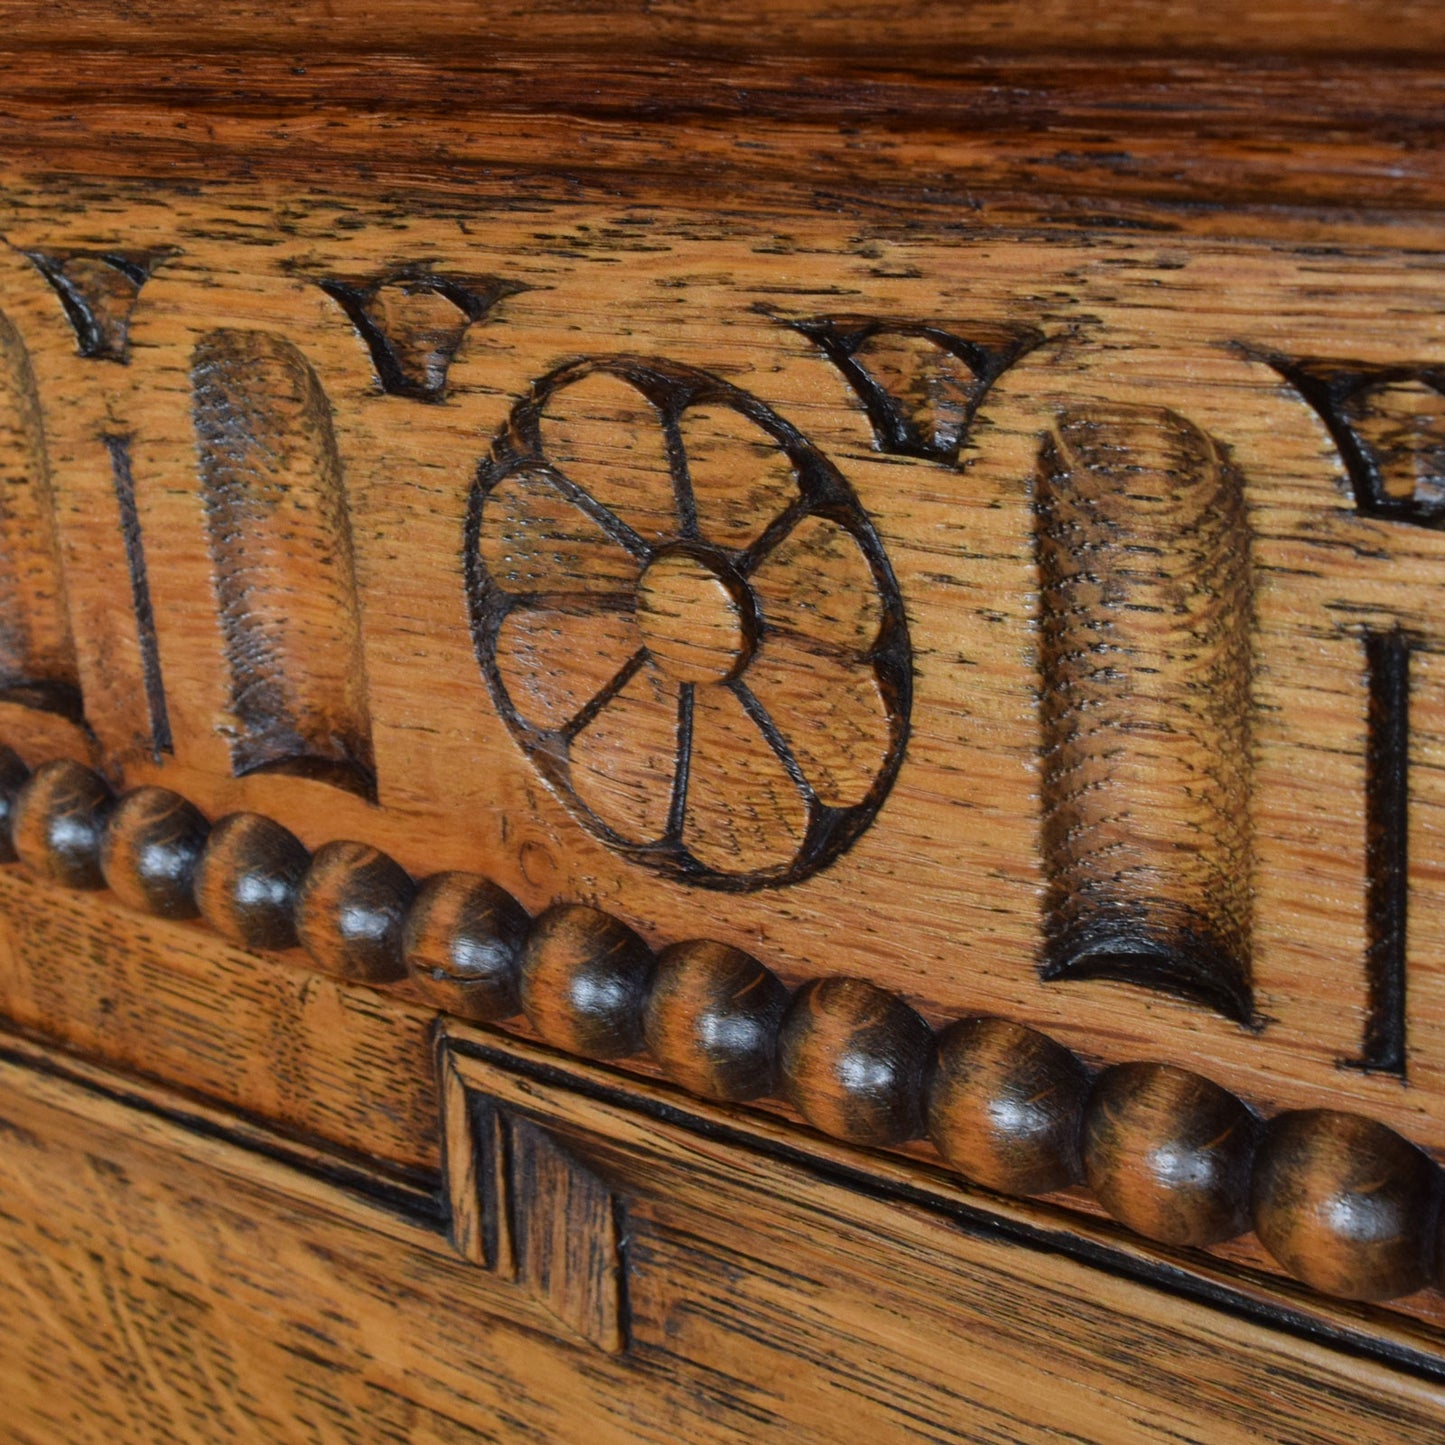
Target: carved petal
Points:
(741, 478)
(625, 759)
(744, 813)
(817, 584)
(829, 710)
(555, 662)
(534, 539)
(605, 436)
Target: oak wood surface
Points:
(940, 519)
(143, 1259)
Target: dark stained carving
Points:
(920, 384)
(1143, 549)
(37, 656)
(98, 290)
(689, 623)
(413, 321)
(140, 595)
(280, 537)
(1387, 833)
(528, 1207)
(1389, 425)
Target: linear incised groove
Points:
(280, 539)
(1143, 551)
(140, 595)
(37, 656)
(1387, 830)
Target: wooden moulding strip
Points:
(1340, 1201)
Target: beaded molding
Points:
(1342, 1202)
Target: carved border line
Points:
(1341, 1201)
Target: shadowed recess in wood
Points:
(525, 1206)
(689, 622)
(1389, 425)
(280, 540)
(140, 595)
(98, 290)
(921, 385)
(413, 321)
(1146, 603)
(37, 656)
(1387, 833)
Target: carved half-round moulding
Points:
(462, 941)
(1342, 1202)
(688, 622)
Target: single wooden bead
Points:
(712, 1020)
(1169, 1153)
(854, 1059)
(149, 854)
(462, 942)
(1006, 1105)
(584, 977)
(58, 822)
(247, 880)
(1345, 1204)
(13, 774)
(350, 908)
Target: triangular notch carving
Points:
(1389, 425)
(413, 322)
(98, 290)
(921, 385)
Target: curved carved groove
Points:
(37, 656)
(920, 385)
(98, 290)
(280, 538)
(1389, 425)
(413, 322)
(1143, 551)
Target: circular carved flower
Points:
(688, 622)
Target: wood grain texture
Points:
(884, 505)
(954, 847)
(130, 1241)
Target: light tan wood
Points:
(887, 571)
(182, 1302)
(952, 860)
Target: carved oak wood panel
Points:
(981, 623)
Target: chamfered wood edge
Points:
(1340, 1201)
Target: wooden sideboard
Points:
(720, 723)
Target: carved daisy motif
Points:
(688, 622)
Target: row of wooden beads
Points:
(1342, 1202)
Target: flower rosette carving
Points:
(689, 622)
